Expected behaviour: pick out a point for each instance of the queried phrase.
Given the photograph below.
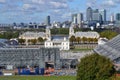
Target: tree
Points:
(72, 39)
(29, 41)
(34, 41)
(40, 39)
(21, 41)
(95, 67)
(84, 39)
(95, 40)
(78, 39)
(108, 34)
(89, 40)
(92, 40)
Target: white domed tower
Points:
(48, 34)
(71, 31)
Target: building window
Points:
(66, 43)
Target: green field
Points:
(41, 78)
(37, 78)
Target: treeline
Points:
(63, 31)
(40, 40)
(56, 31)
(84, 40)
(9, 35)
(108, 34)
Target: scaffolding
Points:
(19, 57)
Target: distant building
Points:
(62, 44)
(74, 18)
(112, 18)
(36, 35)
(6, 26)
(97, 16)
(89, 14)
(56, 25)
(80, 19)
(118, 19)
(48, 21)
(90, 34)
(103, 14)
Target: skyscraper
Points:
(118, 20)
(96, 15)
(48, 20)
(89, 14)
(118, 17)
(112, 18)
(79, 19)
(103, 14)
(74, 18)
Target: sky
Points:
(59, 10)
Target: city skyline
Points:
(59, 10)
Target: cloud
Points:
(34, 9)
(91, 3)
(29, 7)
(103, 3)
(2, 1)
(109, 3)
(117, 1)
(38, 1)
(58, 4)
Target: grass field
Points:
(41, 78)
(37, 78)
(77, 49)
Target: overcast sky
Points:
(59, 10)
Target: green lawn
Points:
(37, 78)
(77, 49)
(118, 78)
(40, 78)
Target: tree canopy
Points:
(72, 39)
(40, 39)
(21, 41)
(95, 67)
(33, 41)
(108, 34)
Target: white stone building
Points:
(35, 35)
(62, 44)
(102, 41)
(90, 34)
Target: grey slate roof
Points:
(87, 34)
(111, 49)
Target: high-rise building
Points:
(118, 17)
(74, 18)
(79, 19)
(89, 14)
(112, 18)
(103, 14)
(96, 15)
(48, 20)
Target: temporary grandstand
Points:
(21, 57)
(111, 49)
